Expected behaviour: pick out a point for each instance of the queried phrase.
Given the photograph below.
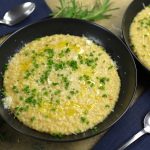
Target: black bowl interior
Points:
(114, 46)
(133, 9)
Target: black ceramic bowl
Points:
(113, 45)
(132, 10)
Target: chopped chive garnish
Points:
(33, 118)
(53, 109)
(57, 92)
(104, 95)
(55, 83)
(73, 64)
(27, 74)
(31, 100)
(15, 89)
(84, 120)
(107, 106)
(110, 67)
(50, 52)
(26, 89)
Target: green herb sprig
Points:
(73, 9)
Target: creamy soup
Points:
(61, 84)
(140, 36)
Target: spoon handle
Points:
(134, 138)
(2, 22)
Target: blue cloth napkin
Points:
(127, 126)
(41, 11)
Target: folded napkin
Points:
(41, 11)
(127, 126)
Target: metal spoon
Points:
(140, 133)
(17, 14)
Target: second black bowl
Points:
(133, 9)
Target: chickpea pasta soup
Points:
(140, 36)
(61, 84)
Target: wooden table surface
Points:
(12, 140)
